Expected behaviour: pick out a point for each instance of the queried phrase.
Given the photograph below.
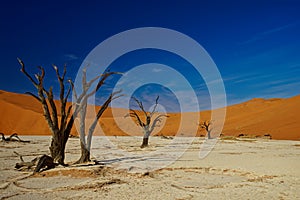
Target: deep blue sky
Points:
(255, 44)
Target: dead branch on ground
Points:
(12, 138)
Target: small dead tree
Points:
(207, 126)
(149, 117)
(60, 131)
(85, 143)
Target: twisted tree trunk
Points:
(57, 147)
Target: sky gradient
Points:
(255, 44)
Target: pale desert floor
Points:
(246, 169)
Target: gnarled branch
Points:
(157, 120)
(136, 117)
(140, 104)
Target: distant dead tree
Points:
(148, 117)
(60, 131)
(86, 143)
(207, 126)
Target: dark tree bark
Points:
(145, 142)
(60, 131)
(57, 147)
(147, 126)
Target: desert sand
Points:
(278, 117)
(234, 169)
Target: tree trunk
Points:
(145, 142)
(146, 137)
(57, 148)
(208, 135)
(85, 154)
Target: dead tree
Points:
(85, 143)
(60, 131)
(207, 126)
(147, 126)
(13, 138)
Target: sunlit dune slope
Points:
(279, 117)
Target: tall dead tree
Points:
(150, 121)
(60, 131)
(207, 126)
(85, 143)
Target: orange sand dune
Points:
(279, 117)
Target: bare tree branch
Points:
(53, 107)
(63, 99)
(73, 89)
(26, 74)
(112, 96)
(140, 104)
(136, 117)
(156, 120)
(155, 106)
(41, 91)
